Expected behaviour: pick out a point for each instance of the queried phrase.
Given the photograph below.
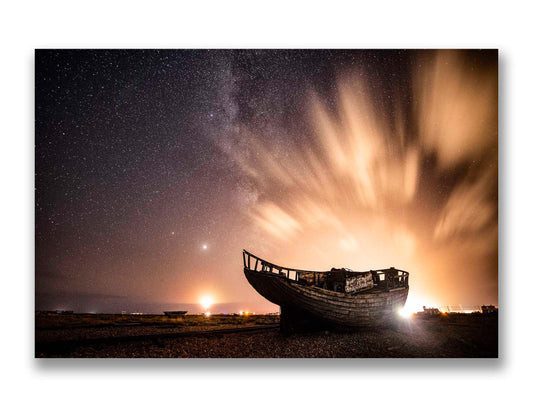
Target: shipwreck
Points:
(340, 298)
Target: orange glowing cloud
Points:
(361, 190)
(458, 109)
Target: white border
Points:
(274, 24)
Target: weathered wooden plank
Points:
(358, 310)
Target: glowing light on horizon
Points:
(206, 302)
(415, 304)
(207, 313)
(404, 313)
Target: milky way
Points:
(155, 168)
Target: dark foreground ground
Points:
(116, 336)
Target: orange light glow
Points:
(415, 304)
(404, 313)
(206, 302)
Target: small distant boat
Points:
(340, 298)
(174, 313)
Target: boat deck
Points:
(384, 279)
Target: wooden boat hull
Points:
(345, 311)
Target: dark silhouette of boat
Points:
(339, 298)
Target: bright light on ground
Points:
(413, 305)
(204, 246)
(207, 314)
(206, 302)
(405, 313)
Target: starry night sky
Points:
(155, 168)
